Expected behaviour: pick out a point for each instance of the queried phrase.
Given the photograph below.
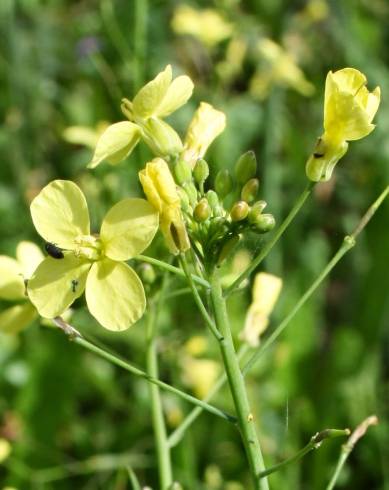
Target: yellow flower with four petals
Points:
(94, 263)
(349, 109)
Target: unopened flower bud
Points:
(250, 190)
(147, 273)
(214, 202)
(202, 211)
(191, 192)
(228, 248)
(239, 211)
(161, 138)
(264, 223)
(256, 210)
(201, 171)
(246, 167)
(182, 172)
(185, 205)
(223, 183)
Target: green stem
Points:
(140, 41)
(314, 443)
(176, 436)
(163, 450)
(208, 320)
(171, 268)
(237, 387)
(277, 235)
(76, 337)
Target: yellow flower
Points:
(207, 25)
(266, 290)
(94, 263)
(161, 191)
(13, 273)
(349, 109)
(280, 68)
(5, 449)
(206, 125)
(200, 374)
(84, 135)
(156, 100)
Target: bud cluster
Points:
(217, 218)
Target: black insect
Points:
(74, 285)
(54, 251)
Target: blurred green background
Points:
(75, 421)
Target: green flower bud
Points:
(185, 205)
(239, 211)
(214, 202)
(191, 192)
(147, 273)
(223, 183)
(264, 223)
(182, 172)
(250, 190)
(246, 167)
(228, 248)
(202, 211)
(201, 171)
(256, 210)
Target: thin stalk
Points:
(160, 434)
(349, 446)
(140, 41)
(171, 268)
(177, 435)
(347, 244)
(314, 443)
(76, 337)
(237, 386)
(114, 30)
(277, 235)
(133, 479)
(199, 302)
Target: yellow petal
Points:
(158, 171)
(149, 97)
(128, 228)
(116, 143)
(60, 213)
(11, 279)
(81, 135)
(15, 319)
(150, 190)
(115, 295)
(161, 137)
(349, 80)
(373, 101)
(176, 96)
(266, 291)
(57, 283)
(29, 257)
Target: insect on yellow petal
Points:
(128, 228)
(116, 143)
(57, 283)
(11, 279)
(16, 318)
(29, 257)
(60, 213)
(115, 295)
(149, 97)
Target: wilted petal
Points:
(115, 295)
(148, 99)
(16, 318)
(11, 279)
(60, 213)
(56, 283)
(116, 143)
(128, 228)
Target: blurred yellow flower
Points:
(349, 109)
(200, 374)
(5, 449)
(206, 25)
(84, 135)
(94, 263)
(231, 66)
(278, 67)
(13, 274)
(161, 191)
(266, 290)
(156, 100)
(206, 125)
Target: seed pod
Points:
(201, 171)
(264, 223)
(246, 167)
(223, 183)
(182, 172)
(250, 190)
(202, 211)
(239, 211)
(228, 248)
